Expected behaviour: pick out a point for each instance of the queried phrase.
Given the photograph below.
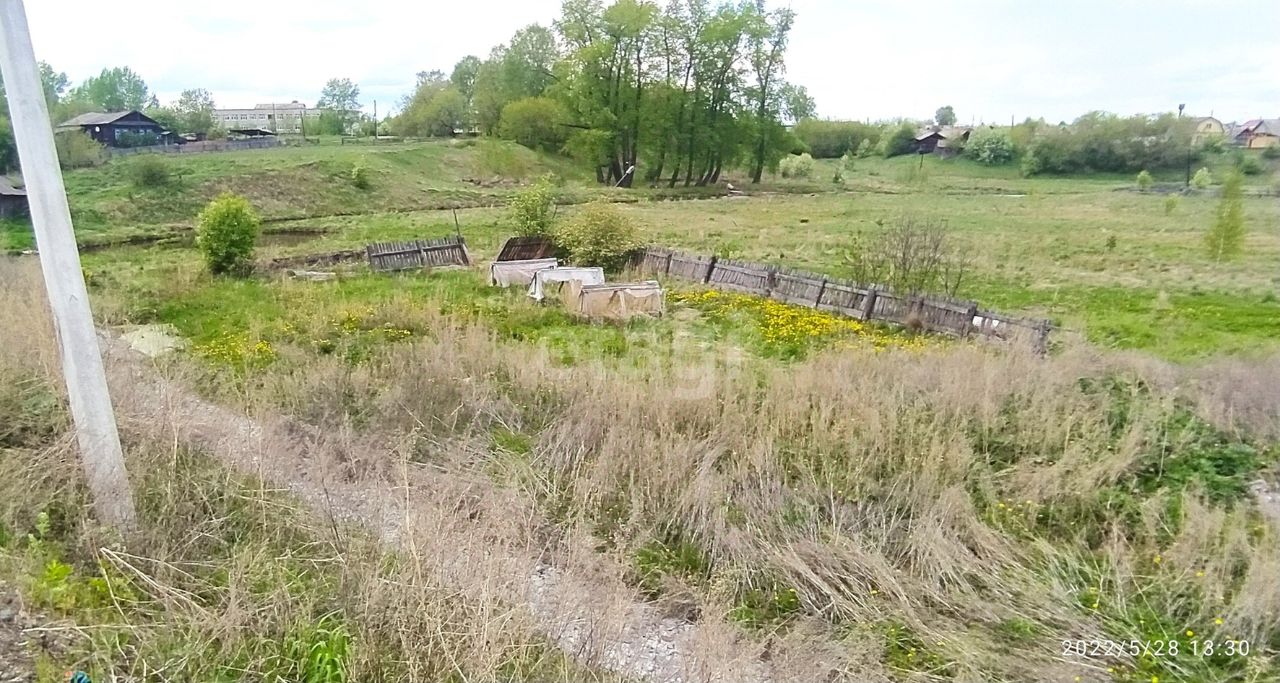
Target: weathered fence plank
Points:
(443, 251)
(936, 314)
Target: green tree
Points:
(945, 116)
(436, 108)
(8, 149)
(343, 96)
(112, 90)
(1226, 238)
(226, 232)
(463, 79)
(195, 111)
(768, 35)
(900, 140)
(535, 122)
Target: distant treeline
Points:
(1095, 142)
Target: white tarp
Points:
(508, 273)
(586, 276)
(616, 301)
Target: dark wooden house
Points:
(941, 140)
(120, 129)
(13, 200)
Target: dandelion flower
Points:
(1218, 621)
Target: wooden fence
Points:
(444, 251)
(845, 297)
(197, 147)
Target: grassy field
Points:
(864, 503)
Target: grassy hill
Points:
(136, 195)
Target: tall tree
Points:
(769, 33)
(463, 79)
(342, 96)
(945, 116)
(195, 111)
(118, 89)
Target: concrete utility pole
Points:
(86, 379)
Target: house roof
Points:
(100, 118)
(7, 189)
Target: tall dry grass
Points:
(227, 578)
(954, 495)
(939, 515)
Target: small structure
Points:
(527, 248)
(545, 279)
(617, 301)
(13, 200)
(1257, 133)
(521, 273)
(120, 129)
(251, 132)
(942, 140)
(1207, 127)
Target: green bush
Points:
(1145, 181)
(1272, 152)
(1170, 204)
(990, 146)
(533, 210)
(834, 139)
(899, 141)
(1202, 179)
(226, 232)
(794, 166)
(77, 150)
(149, 171)
(1250, 165)
(360, 176)
(865, 148)
(598, 235)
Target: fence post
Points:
(667, 271)
(1040, 343)
(770, 281)
(869, 304)
(711, 266)
(817, 303)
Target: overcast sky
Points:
(990, 59)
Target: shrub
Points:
(1272, 152)
(360, 176)
(865, 148)
(834, 139)
(900, 141)
(1170, 204)
(1145, 181)
(77, 150)
(1202, 179)
(535, 122)
(598, 235)
(149, 171)
(1105, 142)
(797, 166)
(226, 232)
(1226, 238)
(990, 146)
(533, 209)
(1250, 165)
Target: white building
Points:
(282, 118)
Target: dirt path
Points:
(453, 523)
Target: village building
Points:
(13, 200)
(1207, 128)
(119, 129)
(1256, 133)
(290, 118)
(942, 140)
